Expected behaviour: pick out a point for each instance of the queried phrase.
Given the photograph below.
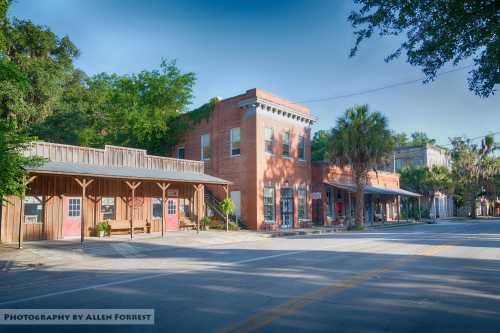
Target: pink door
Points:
(72, 210)
(172, 210)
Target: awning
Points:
(371, 189)
(88, 170)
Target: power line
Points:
(474, 138)
(393, 85)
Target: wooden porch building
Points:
(78, 187)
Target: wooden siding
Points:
(111, 156)
(53, 188)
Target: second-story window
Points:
(205, 147)
(181, 153)
(269, 140)
(235, 141)
(285, 146)
(301, 148)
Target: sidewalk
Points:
(63, 252)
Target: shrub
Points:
(356, 227)
(205, 221)
(102, 226)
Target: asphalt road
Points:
(426, 278)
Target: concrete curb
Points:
(302, 232)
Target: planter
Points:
(101, 233)
(207, 228)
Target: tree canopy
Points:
(474, 168)
(44, 96)
(416, 139)
(138, 110)
(437, 32)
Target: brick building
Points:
(261, 143)
(333, 194)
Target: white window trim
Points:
(273, 221)
(231, 142)
(272, 140)
(289, 156)
(179, 148)
(201, 147)
(153, 205)
(304, 142)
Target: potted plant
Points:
(101, 228)
(205, 222)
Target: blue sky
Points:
(295, 49)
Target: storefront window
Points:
(157, 208)
(108, 208)
(302, 208)
(269, 207)
(33, 210)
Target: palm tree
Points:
(472, 166)
(362, 140)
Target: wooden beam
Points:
(84, 183)
(163, 187)
(132, 185)
(197, 191)
(26, 182)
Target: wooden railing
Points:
(111, 156)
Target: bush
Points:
(356, 227)
(205, 221)
(103, 226)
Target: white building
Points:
(427, 156)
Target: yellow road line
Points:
(267, 316)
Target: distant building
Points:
(427, 156)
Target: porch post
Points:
(419, 213)
(21, 215)
(132, 186)
(399, 208)
(226, 189)
(350, 208)
(407, 208)
(163, 187)
(84, 183)
(198, 205)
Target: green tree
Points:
(438, 181)
(437, 32)
(400, 140)
(12, 161)
(414, 178)
(227, 206)
(426, 181)
(362, 140)
(4, 5)
(45, 61)
(140, 110)
(319, 145)
(420, 139)
(472, 168)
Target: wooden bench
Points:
(187, 224)
(125, 226)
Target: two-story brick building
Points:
(261, 143)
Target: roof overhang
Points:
(99, 171)
(371, 189)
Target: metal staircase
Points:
(213, 204)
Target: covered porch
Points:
(68, 200)
(382, 204)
